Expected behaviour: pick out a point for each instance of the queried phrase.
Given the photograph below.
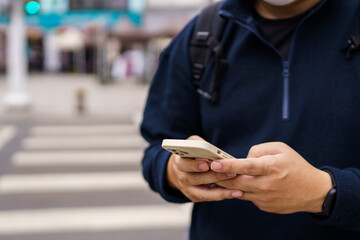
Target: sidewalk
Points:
(53, 97)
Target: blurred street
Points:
(70, 172)
(54, 96)
(73, 83)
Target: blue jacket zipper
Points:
(286, 91)
(285, 71)
(286, 64)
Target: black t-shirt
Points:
(279, 32)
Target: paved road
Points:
(80, 181)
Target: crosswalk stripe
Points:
(83, 146)
(84, 130)
(70, 182)
(94, 219)
(126, 141)
(75, 158)
(6, 134)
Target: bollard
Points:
(80, 100)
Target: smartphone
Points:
(194, 149)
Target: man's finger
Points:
(205, 194)
(190, 165)
(246, 196)
(248, 166)
(195, 137)
(244, 183)
(264, 149)
(208, 177)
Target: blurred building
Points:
(85, 42)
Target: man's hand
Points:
(194, 179)
(276, 179)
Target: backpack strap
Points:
(204, 44)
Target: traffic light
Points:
(32, 7)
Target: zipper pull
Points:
(286, 71)
(286, 92)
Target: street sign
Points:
(54, 6)
(77, 19)
(49, 14)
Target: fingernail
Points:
(203, 167)
(236, 194)
(216, 166)
(230, 174)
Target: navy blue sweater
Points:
(310, 102)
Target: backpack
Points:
(205, 43)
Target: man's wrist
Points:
(329, 201)
(325, 185)
(170, 172)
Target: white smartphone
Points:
(194, 149)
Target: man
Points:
(288, 109)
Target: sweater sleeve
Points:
(171, 111)
(346, 212)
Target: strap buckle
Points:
(352, 46)
(202, 36)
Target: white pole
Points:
(52, 53)
(17, 71)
